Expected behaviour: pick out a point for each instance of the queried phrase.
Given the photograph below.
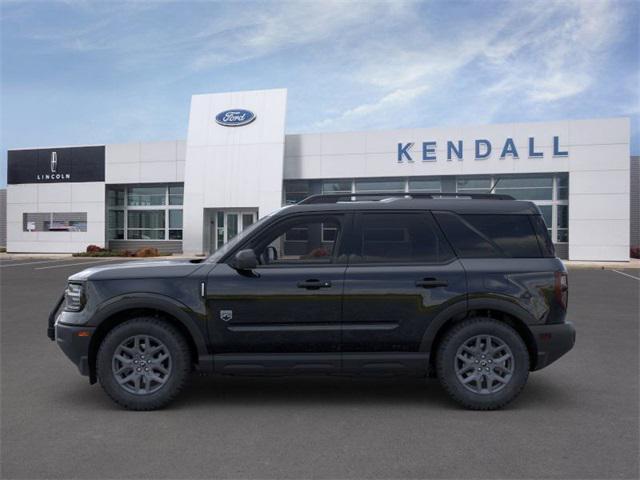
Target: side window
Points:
(399, 238)
(301, 240)
(513, 234)
(490, 236)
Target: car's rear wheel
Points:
(482, 363)
(143, 363)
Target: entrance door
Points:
(227, 224)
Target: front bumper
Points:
(74, 341)
(552, 342)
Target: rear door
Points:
(402, 273)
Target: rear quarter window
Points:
(490, 236)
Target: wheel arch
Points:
(498, 309)
(119, 310)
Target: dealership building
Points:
(237, 164)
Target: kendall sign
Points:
(482, 150)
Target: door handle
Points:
(313, 284)
(431, 283)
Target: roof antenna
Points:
(495, 185)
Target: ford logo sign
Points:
(235, 118)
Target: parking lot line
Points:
(88, 262)
(626, 274)
(2, 265)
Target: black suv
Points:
(466, 287)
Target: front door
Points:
(227, 224)
(292, 302)
(402, 274)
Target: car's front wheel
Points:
(482, 363)
(143, 363)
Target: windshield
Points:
(222, 251)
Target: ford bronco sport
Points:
(466, 287)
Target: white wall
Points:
(598, 166)
(161, 162)
(55, 197)
(232, 167)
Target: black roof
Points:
(490, 204)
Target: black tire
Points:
(161, 391)
(485, 391)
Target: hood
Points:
(139, 269)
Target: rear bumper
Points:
(552, 342)
(74, 342)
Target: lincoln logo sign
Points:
(482, 150)
(54, 175)
(235, 118)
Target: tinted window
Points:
(544, 238)
(467, 242)
(300, 240)
(481, 236)
(401, 238)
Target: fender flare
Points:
(159, 302)
(461, 309)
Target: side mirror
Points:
(245, 260)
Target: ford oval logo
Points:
(235, 118)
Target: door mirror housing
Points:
(245, 260)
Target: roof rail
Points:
(379, 196)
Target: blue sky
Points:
(94, 72)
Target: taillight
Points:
(562, 288)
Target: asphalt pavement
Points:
(578, 418)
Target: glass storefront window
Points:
(176, 194)
(295, 191)
(145, 212)
(477, 184)
(115, 224)
(425, 185)
(336, 186)
(563, 187)
(145, 224)
(525, 187)
(146, 196)
(380, 184)
(115, 197)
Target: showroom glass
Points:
(525, 188)
(337, 186)
(295, 191)
(54, 222)
(176, 194)
(474, 184)
(425, 185)
(399, 238)
(380, 184)
(123, 200)
(146, 196)
(146, 224)
(299, 241)
(175, 224)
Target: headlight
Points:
(74, 297)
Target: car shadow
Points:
(217, 391)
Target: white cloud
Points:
(538, 52)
